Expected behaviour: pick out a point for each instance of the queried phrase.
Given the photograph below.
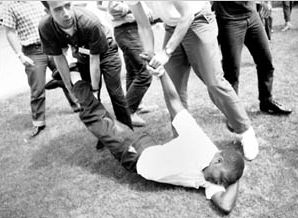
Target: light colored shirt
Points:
(182, 160)
(24, 17)
(126, 15)
(167, 12)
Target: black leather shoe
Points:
(274, 108)
(53, 84)
(36, 130)
(99, 145)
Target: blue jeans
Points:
(233, 34)
(110, 68)
(138, 79)
(114, 135)
(199, 50)
(36, 79)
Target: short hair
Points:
(233, 164)
(45, 4)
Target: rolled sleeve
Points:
(185, 124)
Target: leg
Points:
(36, 81)
(258, 45)
(178, 68)
(231, 39)
(111, 68)
(138, 79)
(118, 138)
(202, 50)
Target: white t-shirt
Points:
(167, 12)
(181, 161)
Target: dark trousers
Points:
(138, 79)
(287, 9)
(110, 67)
(233, 34)
(36, 79)
(125, 145)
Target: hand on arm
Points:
(118, 9)
(226, 200)
(14, 42)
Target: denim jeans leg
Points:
(114, 135)
(138, 79)
(111, 68)
(36, 81)
(258, 45)
(201, 47)
(231, 35)
(178, 68)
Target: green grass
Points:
(60, 173)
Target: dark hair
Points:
(45, 4)
(233, 164)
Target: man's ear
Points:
(219, 159)
(47, 11)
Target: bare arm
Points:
(226, 200)
(182, 27)
(15, 44)
(171, 96)
(144, 27)
(95, 71)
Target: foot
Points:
(250, 144)
(53, 84)
(287, 27)
(36, 130)
(143, 109)
(137, 121)
(99, 145)
(274, 108)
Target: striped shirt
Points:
(24, 17)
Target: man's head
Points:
(225, 168)
(61, 11)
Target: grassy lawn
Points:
(60, 173)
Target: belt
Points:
(32, 46)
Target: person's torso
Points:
(179, 162)
(233, 10)
(166, 11)
(24, 17)
(85, 22)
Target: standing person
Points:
(138, 79)
(287, 9)
(190, 160)
(191, 41)
(239, 24)
(96, 52)
(20, 20)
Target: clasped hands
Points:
(156, 62)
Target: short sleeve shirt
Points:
(23, 16)
(182, 160)
(89, 36)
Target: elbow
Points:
(226, 208)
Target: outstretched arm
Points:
(226, 200)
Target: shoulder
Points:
(45, 23)
(86, 17)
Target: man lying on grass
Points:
(189, 160)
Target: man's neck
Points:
(70, 31)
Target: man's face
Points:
(62, 13)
